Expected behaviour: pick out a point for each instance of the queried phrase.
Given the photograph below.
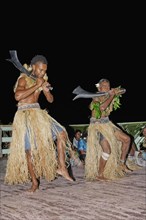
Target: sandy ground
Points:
(123, 199)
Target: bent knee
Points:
(62, 136)
(105, 155)
(127, 140)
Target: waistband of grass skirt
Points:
(28, 106)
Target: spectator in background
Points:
(82, 147)
(137, 156)
(75, 160)
(131, 159)
(140, 155)
(76, 139)
(143, 145)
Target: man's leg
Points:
(126, 140)
(103, 159)
(62, 170)
(102, 163)
(35, 181)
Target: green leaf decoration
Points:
(96, 107)
(117, 103)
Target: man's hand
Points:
(40, 81)
(112, 92)
(119, 91)
(46, 86)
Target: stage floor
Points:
(123, 199)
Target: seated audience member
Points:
(82, 147)
(131, 161)
(141, 154)
(143, 145)
(76, 138)
(138, 156)
(75, 160)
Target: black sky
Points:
(79, 53)
(71, 66)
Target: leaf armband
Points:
(117, 103)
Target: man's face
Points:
(78, 135)
(104, 87)
(39, 69)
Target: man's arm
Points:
(107, 102)
(47, 91)
(22, 92)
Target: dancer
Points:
(107, 144)
(38, 141)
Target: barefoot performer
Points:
(107, 144)
(38, 141)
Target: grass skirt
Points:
(112, 169)
(43, 149)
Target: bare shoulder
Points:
(22, 80)
(95, 99)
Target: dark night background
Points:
(79, 53)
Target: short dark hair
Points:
(77, 130)
(39, 58)
(104, 80)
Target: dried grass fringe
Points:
(43, 149)
(94, 151)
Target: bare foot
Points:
(33, 188)
(65, 174)
(102, 178)
(126, 169)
